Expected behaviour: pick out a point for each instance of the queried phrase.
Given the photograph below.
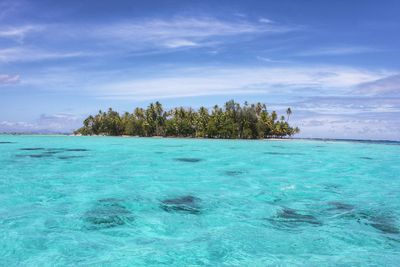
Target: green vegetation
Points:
(250, 121)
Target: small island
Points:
(232, 121)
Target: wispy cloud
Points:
(8, 7)
(388, 86)
(9, 79)
(18, 33)
(171, 81)
(133, 36)
(270, 60)
(337, 50)
(23, 54)
(182, 30)
(227, 81)
(349, 105)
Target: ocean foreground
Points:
(112, 201)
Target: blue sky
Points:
(335, 63)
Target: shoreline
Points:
(201, 138)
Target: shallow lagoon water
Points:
(109, 201)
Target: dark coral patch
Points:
(34, 156)
(191, 160)
(53, 149)
(107, 213)
(368, 158)
(340, 206)
(39, 156)
(185, 204)
(110, 200)
(292, 218)
(234, 173)
(69, 157)
(283, 153)
(385, 224)
(386, 228)
(51, 152)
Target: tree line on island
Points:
(232, 121)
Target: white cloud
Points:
(8, 126)
(347, 126)
(348, 117)
(265, 20)
(226, 81)
(180, 43)
(60, 121)
(57, 123)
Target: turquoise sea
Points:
(112, 201)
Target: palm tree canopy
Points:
(229, 121)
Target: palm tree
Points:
(288, 112)
(274, 116)
(159, 118)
